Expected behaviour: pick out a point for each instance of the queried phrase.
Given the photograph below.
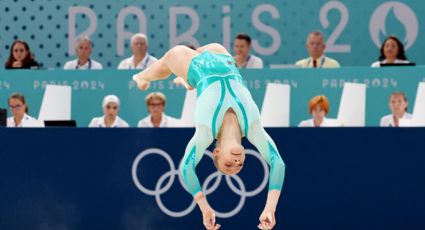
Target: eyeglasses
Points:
(13, 107)
(112, 107)
(18, 50)
(156, 104)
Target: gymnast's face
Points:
(229, 159)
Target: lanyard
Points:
(77, 67)
(247, 60)
(144, 64)
(321, 63)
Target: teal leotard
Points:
(220, 87)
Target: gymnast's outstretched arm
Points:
(266, 146)
(193, 154)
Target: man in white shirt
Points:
(83, 49)
(140, 58)
(398, 105)
(243, 57)
(316, 47)
(157, 118)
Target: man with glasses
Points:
(316, 47)
(140, 59)
(155, 103)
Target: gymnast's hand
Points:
(141, 83)
(180, 81)
(209, 219)
(267, 220)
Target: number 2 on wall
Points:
(324, 12)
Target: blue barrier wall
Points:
(89, 88)
(336, 179)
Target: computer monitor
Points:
(3, 117)
(60, 123)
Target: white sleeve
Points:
(382, 123)
(94, 123)
(376, 64)
(303, 124)
(142, 124)
(122, 64)
(97, 65)
(259, 64)
(68, 66)
(125, 124)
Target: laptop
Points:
(3, 117)
(60, 123)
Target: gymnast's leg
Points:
(176, 61)
(215, 48)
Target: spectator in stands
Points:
(19, 109)
(392, 52)
(398, 105)
(316, 47)
(110, 119)
(155, 103)
(318, 108)
(83, 49)
(140, 58)
(21, 57)
(243, 56)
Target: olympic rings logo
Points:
(161, 189)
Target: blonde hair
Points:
(155, 95)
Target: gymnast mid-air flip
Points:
(225, 111)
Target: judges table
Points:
(336, 178)
(90, 87)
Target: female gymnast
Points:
(225, 111)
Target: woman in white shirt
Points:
(19, 109)
(392, 52)
(318, 108)
(398, 105)
(110, 119)
(157, 118)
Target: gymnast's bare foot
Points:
(141, 83)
